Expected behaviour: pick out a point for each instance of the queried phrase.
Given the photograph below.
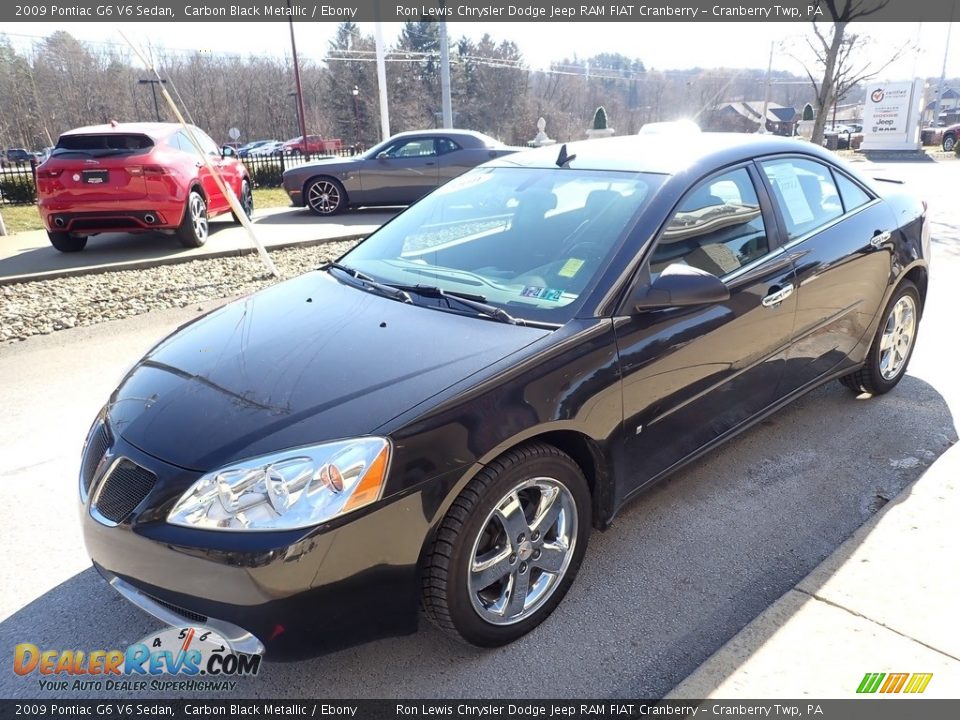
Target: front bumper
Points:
(290, 595)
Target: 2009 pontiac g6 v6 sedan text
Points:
(439, 419)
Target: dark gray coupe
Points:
(398, 171)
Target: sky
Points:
(659, 45)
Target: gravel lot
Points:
(45, 306)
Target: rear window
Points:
(102, 144)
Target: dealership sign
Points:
(891, 116)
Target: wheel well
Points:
(588, 457)
(199, 189)
(918, 276)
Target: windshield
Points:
(530, 241)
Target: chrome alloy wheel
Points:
(522, 552)
(324, 197)
(899, 332)
(198, 217)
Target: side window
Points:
(446, 145)
(421, 147)
(805, 193)
(181, 141)
(852, 194)
(717, 228)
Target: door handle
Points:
(778, 296)
(879, 239)
(431, 163)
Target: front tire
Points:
(325, 196)
(195, 226)
(509, 547)
(892, 347)
(65, 242)
(949, 142)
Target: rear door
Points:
(834, 231)
(216, 202)
(692, 374)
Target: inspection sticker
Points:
(532, 291)
(570, 268)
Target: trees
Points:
(839, 56)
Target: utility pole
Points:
(382, 81)
(301, 116)
(766, 94)
(943, 72)
(445, 74)
(153, 82)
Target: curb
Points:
(174, 260)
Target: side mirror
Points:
(382, 155)
(681, 285)
(228, 151)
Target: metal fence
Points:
(18, 183)
(267, 170)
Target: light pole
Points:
(356, 113)
(296, 113)
(153, 82)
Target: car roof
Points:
(455, 133)
(153, 130)
(665, 155)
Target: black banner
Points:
(460, 10)
(855, 709)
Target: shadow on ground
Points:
(682, 570)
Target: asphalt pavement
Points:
(683, 569)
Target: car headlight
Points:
(292, 489)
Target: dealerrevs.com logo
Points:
(199, 659)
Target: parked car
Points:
(441, 417)
(135, 177)
(949, 136)
(314, 144)
(245, 150)
(272, 148)
(398, 171)
(19, 156)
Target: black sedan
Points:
(398, 171)
(440, 419)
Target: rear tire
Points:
(195, 226)
(509, 547)
(892, 347)
(65, 242)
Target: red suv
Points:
(135, 177)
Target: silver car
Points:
(398, 171)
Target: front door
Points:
(403, 173)
(691, 374)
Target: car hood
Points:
(305, 361)
(333, 164)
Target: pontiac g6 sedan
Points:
(439, 419)
(398, 171)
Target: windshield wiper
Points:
(366, 282)
(477, 303)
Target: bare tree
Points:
(838, 54)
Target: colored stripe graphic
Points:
(918, 683)
(870, 682)
(894, 683)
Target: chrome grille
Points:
(96, 447)
(124, 487)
